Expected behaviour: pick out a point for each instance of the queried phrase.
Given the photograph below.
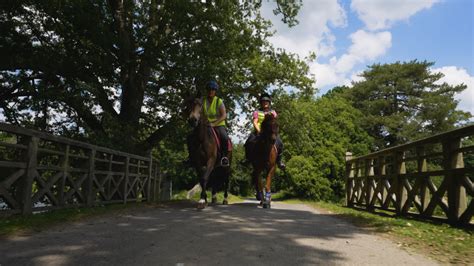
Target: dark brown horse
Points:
(262, 154)
(204, 154)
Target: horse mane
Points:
(265, 141)
(266, 127)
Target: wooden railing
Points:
(40, 171)
(427, 178)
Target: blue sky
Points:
(351, 34)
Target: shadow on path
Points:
(237, 234)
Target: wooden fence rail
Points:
(430, 178)
(40, 171)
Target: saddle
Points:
(217, 138)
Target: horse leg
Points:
(258, 184)
(226, 188)
(268, 185)
(203, 181)
(214, 195)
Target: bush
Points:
(306, 181)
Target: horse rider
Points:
(257, 118)
(214, 109)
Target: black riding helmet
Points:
(265, 97)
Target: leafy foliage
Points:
(307, 181)
(317, 133)
(115, 72)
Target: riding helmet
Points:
(212, 85)
(265, 97)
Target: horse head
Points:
(269, 128)
(194, 108)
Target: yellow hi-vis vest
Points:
(261, 116)
(212, 112)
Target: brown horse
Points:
(204, 154)
(263, 154)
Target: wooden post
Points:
(160, 182)
(89, 194)
(65, 173)
(425, 195)
(125, 180)
(155, 182)
(30, 174)
(453, 159)
(369, 175)
(401, 192)
(360, 187)
(150, 173)
(349, 179)
(382, 172)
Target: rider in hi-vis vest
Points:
(214, 109)
(257, 119)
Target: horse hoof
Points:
(201, 204)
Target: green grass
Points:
(439, 241)
(18, 224)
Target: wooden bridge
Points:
(427, 178)
(40, 171)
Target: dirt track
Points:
(178, 234)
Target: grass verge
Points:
(439, 241)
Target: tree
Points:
(321, 131)
(405, 101)
(115, 72)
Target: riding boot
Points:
(224, 145)
(280, 164)
(224, 160)
(279, 145)
(245, 161)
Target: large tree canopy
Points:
(404, 101)
(116, 71)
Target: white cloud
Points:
(312, 34)
(326, 75)
(382, 14)
(456, 76)
(366, 46)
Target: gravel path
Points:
(178, 234)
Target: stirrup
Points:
(225, 161)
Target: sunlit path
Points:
(178, 234)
